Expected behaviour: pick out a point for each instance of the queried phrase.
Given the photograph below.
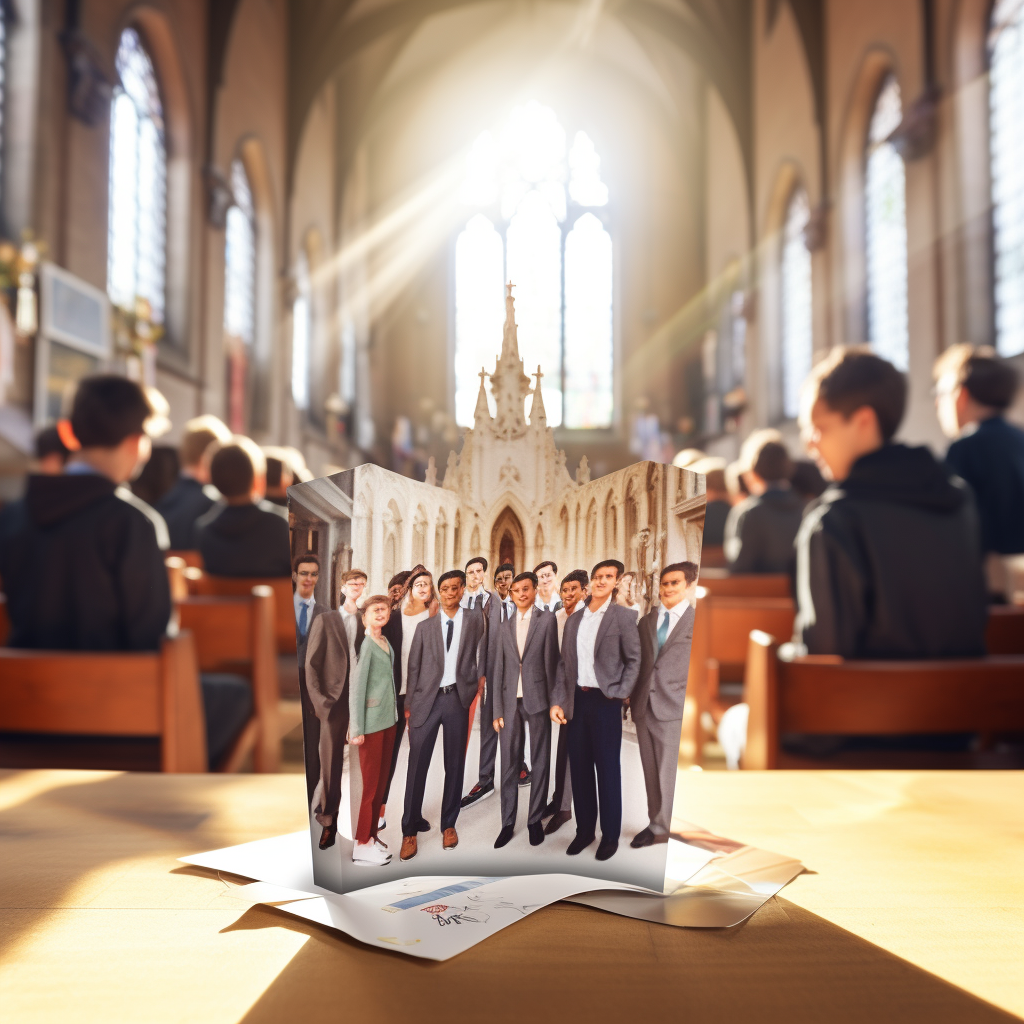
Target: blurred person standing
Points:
(51, 454)
(717, 494)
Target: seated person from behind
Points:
(279, 476)
(190, 497)
(760, 531)
(80, 561)
(718, 504)
(973, 389)
(242, 535)
(888, 561)
(51, 453)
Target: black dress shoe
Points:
(328, 836)
(579, 844)
(607, 848)
(556, 822)
(549, 810)
(504, 837)
(645, 837)
(536, 834)
(478, 792)
(423, 826)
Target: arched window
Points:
(137, 210)
(301, 332)
(1006, 102)
(886, 208)
(239, 293)
(797, 339)
(538, 222)
(3, 87)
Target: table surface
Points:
(911, 910)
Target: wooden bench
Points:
(749, 585)
(712, 556)
(825, 695)
(109, 695)
(1005, 632)
(236, 634)
(204, 584)
(721, 627)
(193, 559)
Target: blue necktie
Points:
(303, 624)
(663, 631)
(451, 630)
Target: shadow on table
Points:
(572, 963)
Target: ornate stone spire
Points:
(482, 414)
(538, 414)
(509, 384)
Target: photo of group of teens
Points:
(428, 656)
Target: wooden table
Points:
(912, 912)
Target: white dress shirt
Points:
(409, 624)
(586, 640)
(549, 605)
(561, 615)
(522, 629)
(675, 613)
(350, 620)
(451, 655)
(475, 598)
(298, 602)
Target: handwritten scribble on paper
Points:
(445, 914)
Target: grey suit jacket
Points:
(539, 665)
(327, 663)
(661, 688)
(492, 620)
(616, 657)
(426, 663)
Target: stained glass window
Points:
(1006, 103)
(529, 194)
(136, 243)
(301, 333)
(240, 259)
(885, 203)
(797, 341)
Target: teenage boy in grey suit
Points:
(656, 704)
(599, 667)
(525, 670)
(305, 574)
(446, 674)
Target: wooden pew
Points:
(825, 695)
(107, 695)
(193, 559)
(753, 585)
(5, 622)
(204, 584)
(712, 556)
(721, 627)
(236, 634)
(176, 578)
(1005, 632)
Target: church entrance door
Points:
(508, 542)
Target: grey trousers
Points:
(488, 737)
(513, 740)
(659, 755)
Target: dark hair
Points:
(853, 377)
(537, 568)
(107, 409)
(505, 567)
(576, 576)
(772, 462)
(232, 471)
(158, 475)
(275, 468)
(48, 442)
(478, 558)
(807, 480)
(988, 379)
(302, 559)
(451, 574)
(398, 580)
(531, 576)
(613, 563)
(688, 569)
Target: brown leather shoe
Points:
(556, 822)
(327, 836)
(408, 847)
(451, 839)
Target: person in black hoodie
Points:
(80, 561)
(760, 531)
(243, 535)
(189, 498)
(888, 561)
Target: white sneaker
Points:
(370, 853)
(381, 824)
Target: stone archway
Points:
(508, 542)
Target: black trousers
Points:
(595, 742)
(561, 766)
(310, 737)
(448, 713)
(399, 732)
(488, 737)
(333, 734)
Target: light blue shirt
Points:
(477, 598)
(451, 655)
(586, 641)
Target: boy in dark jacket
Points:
(888, 562)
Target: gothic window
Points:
(611, 531)
(797, 342)
(3, 85)
(137, 209)
(302, 324)
(239, 292)
(1006, 103)
(540, 222)
(885, 202)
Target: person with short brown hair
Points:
(973, 390)
(193, 495)
(888, 561)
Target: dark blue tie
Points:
(451, 631)
(303, 623)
